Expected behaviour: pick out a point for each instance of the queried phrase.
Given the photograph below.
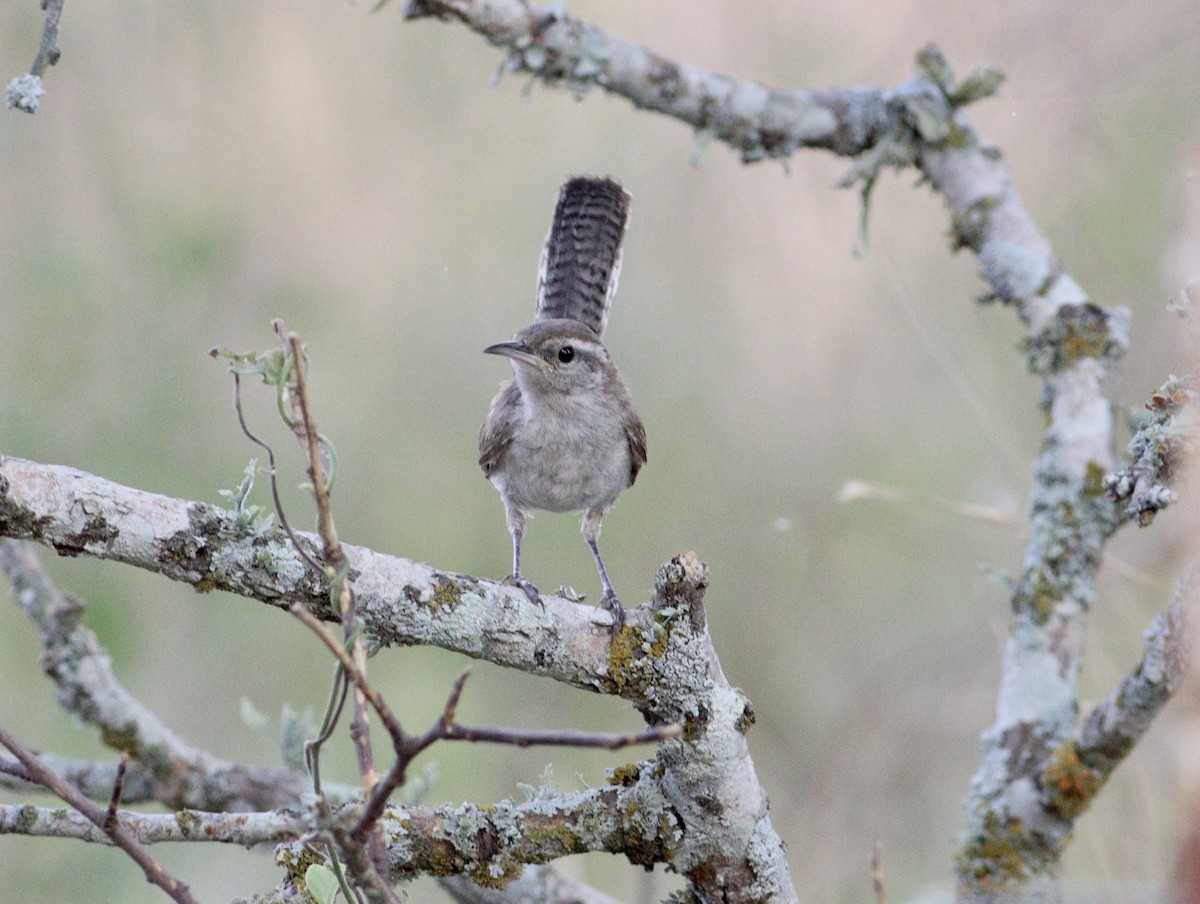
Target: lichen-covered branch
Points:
(1055, 783)
(710, 803)
(489, 844)
(400, 601)
(245, 829)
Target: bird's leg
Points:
(609, 601)
(516, 527)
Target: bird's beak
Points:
(518, 351)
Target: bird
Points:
(563, 435)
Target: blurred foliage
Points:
(195, 171)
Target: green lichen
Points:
(557, 838)
(216, 579)
(633, 653)
(27, 819)
(186, 820)
(969, 229)
(121, 737)
(446, 594)
(622, 653)
(625, 776)
(1077, 331)
(746, 719)
(497, 873)
(996, 857)
(1093, 480)
(1083, 344)
(1070, 784)
(296, 859)
(1037, 595)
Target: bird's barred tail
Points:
(582, 257)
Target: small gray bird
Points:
(563, 435)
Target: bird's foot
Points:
(515, 580)
(610, 604)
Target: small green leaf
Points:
(294, 729)
(322, 883)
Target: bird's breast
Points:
(561, 461)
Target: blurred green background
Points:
(199, 169)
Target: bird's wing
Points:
(495, 434)
(635, 432)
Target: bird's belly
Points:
(587, 473)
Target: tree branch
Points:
(400, 601)
(1156, 451)
(244, 829)
(1113, 727)
(757, 121)
(485, 842)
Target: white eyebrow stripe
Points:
(584, 345)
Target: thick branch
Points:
(757, 121)
(400, 601)
(490, 843)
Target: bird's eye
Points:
(566, 354)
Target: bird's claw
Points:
(609, 603)
(515, 580)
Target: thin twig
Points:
(272, 476)
(48, 53)
(526, 737)
(338, 569)
(114, 801)
(351, 670)
(244, 829)
(155, 872)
